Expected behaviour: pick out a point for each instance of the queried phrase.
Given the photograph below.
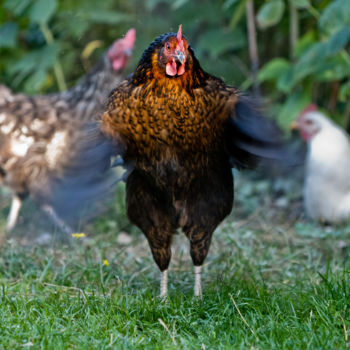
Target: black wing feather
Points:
(252, 139)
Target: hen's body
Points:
(181, 173)
(38, 133)
(176, 132)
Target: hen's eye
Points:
(167, 46)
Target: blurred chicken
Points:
(327, 179)
(37, 133)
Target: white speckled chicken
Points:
(327, 178)
(37, 133)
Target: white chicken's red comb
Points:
(179, 38)
(310, 108)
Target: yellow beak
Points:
(294, 126)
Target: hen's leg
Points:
(159, 240)
(148, 209)
(14, 211)
(209, 202)
(164, 284)
(160, 245)
(198, 281)
(199, 248)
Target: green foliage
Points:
(274, 69)
(42, 10)
(319, 57)
(39, 37)
(229, 40)
(301, 3)
(33, 67)
(344, 93)
(335, 16)
(270, 13)
(8, 34)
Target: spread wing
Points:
(86, 177)
(251, 139)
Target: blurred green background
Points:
(46, 45)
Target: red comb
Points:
(130, 36)
(310, 108)
(179, 38)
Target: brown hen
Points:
(180, 131)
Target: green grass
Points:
(268, 284)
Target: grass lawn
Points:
(269, 283)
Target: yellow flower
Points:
(78, 235)
(105, 262)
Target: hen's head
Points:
(172, 54)
(310, 122)
(121, 50)
(169, 58)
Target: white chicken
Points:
(327, 178)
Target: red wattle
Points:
(170, 68)
(118, 64)
(181, 69)
(305, 135)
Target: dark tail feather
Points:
(86, 179)
(253, 140)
